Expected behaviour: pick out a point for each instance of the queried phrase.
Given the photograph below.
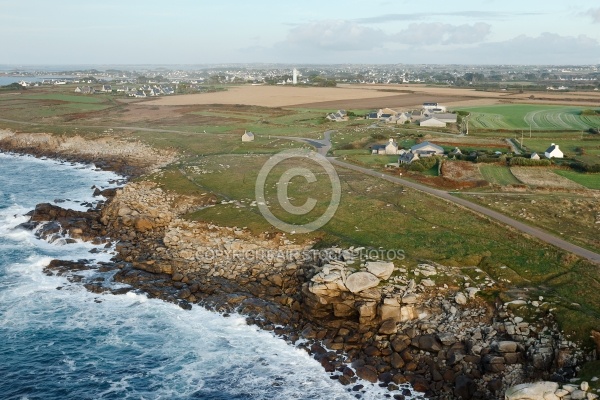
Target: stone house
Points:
(408, 157)
(248, 137)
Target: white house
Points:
(432, 122)
(553, 152)
(535, 156)
(386, 149)
(247, 136)
(391, 147)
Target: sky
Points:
(105, 32)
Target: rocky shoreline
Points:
(383, 322)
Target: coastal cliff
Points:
(384, 322)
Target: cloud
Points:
(440, 33)
(548, 48)
(545, 49)
(594, 13)
(334, 34)
(419, 16)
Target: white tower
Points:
(295, 77)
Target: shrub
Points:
(528, 162)
(583, 167)
(590, 112)
(487, 159)
(423, 164)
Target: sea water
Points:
(60, 341)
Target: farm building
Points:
(427, 149)
(535, 156)
(432, 122)
(434, 108)
(553, 152)
(448, 118)
(248, 137)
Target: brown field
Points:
(462, 171)
(542, 177)
(370, 96)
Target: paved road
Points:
(324, 145)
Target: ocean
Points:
(60, 341)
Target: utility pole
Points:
(521, 137)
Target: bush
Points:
(378, 136)
(423, 164)
(583, 167)
(590, 112)
(488, 159)
(528, 162)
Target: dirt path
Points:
(513, 147)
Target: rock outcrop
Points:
(384, 322)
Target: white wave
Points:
(129, 346)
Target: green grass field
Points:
(524, 116)
(590, 181)
(498, 175)
(372, 212)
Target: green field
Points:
(526, 116)
(498, 175)
(372, 212)
(590, 181)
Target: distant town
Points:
(137, 82)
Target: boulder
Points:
(359, 281)
(388, 327)
(578, 395)
(427, 343)
(506, 346)
(410, 298)
(464, 387)
(530, 391)
(408, 313)
(367, 373)
(390, 309)
(381, 269)
(460, 298)
(143, 225)
(551, 396)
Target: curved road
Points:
(324, 145)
